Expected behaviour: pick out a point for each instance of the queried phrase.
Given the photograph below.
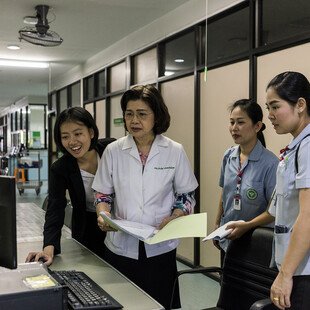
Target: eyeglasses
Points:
(141, 115)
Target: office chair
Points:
(246, 277)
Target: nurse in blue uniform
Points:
(248, 173)
(288, 102)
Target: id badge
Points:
(237, 203)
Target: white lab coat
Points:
(143, 196)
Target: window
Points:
(88, 87)
(76, 95)
(100, 82)
(179, 54)
(13, 121)
(145, 67)
(292, 19)
(118, 77)
(24, 118)
(53, 101)
(63, 100)
(228, 36)
(17, 120)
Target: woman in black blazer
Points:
(76, 136)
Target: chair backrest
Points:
(247, 276)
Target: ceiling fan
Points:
(40, 33)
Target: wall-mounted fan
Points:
(40, 33)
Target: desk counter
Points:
(77, 257)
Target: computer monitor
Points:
(8, 239)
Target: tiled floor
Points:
(29, 195)
(197, 291)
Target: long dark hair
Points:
(254, 112)
(290, 86)
(78, 115)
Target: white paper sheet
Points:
(194, 225)
(221, 232)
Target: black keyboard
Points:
(83, 292)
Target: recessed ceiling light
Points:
(13, 47)
(179, 60)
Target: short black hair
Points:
(290, 86)
(78, 115)
(152, 97)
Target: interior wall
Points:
(222, 87)
(268, 66)
(145, 67)
(179, 98)
(117, 129)
(90, 108)
(100, 118)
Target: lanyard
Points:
(283, 152)
(239, 179)
(237, 196)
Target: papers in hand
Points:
(138, 230)
(221, 232)
(194, 225)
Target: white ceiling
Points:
(86, 26)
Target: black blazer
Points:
(65, 175)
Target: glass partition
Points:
(88, 84)
(63, 100)
(100, 84)
(76, 95)
(118, 77)
(292, 20)
(53, 102)
(228, 36)
(145, 67)
(180, 54)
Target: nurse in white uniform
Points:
(147, 178)
(288, 102)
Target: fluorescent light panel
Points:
(13, 47)
(23, 64)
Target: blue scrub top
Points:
(257, 183)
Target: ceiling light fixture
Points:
(23, 64)
(30, 20)
(179, 60)
(13, 47)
